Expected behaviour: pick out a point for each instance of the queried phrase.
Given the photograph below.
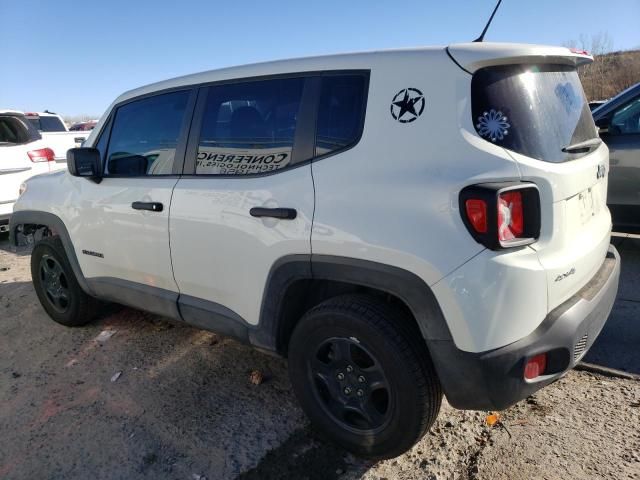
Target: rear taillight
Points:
(510, 216)
(535, 366)
(41, 155)
(579, 51)
(502, 215)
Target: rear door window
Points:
(535, 110)
(48, 124)
(249, 127)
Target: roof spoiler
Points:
(474, 56)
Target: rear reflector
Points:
(510, 216)
(41, 155)
(535, 366)
(477, 214)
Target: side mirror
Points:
(85, 162)
(603, 125)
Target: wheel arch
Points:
(23, 219)
(299, 282)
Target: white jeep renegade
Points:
(398, 224)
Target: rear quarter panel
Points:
(393, 198)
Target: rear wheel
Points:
(363, 375)
(56, 286)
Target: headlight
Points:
(22, 189)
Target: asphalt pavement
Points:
(618, 346)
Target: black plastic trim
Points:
(213, 317)
(137, 295)
(494, 380)
(284, 273)
(408, 287)
(489, 193)
(150, 206)
(281, 213)
(55, 224)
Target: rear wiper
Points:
(582, 147)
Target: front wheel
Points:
(56, 286)
(363, 375)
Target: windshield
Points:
(535, 110)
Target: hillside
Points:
(610, 73)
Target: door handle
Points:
(151, 206)
(282, 213)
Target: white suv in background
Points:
(23, 154)
(399, 224)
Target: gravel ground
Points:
(184, 406)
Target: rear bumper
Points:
(494, 380)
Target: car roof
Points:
(275, 67)
(474, 53)
(12, 112)
(42, 114)
(613, 103)
(468, 52)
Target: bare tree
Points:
(610, 72)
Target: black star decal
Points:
(412, 103)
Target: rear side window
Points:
(340, 113)
(249, 127)
(48, 124)
(535, 110)
(145, 134)
(15, 130)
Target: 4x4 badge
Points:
(407, 105)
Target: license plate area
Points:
(585, 205)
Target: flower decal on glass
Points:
(493, 125)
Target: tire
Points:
(56, 286)
(363, 376)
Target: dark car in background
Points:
(596, 103)
(83, 126)
(618, 121)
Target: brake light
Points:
(41, 155)
(578, 51)
(535, 366)
(477, 214)
(510, 216)
(501, 215)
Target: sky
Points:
(76, 57)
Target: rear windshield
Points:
(535, 110)
(48, 124)
(15, 130)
